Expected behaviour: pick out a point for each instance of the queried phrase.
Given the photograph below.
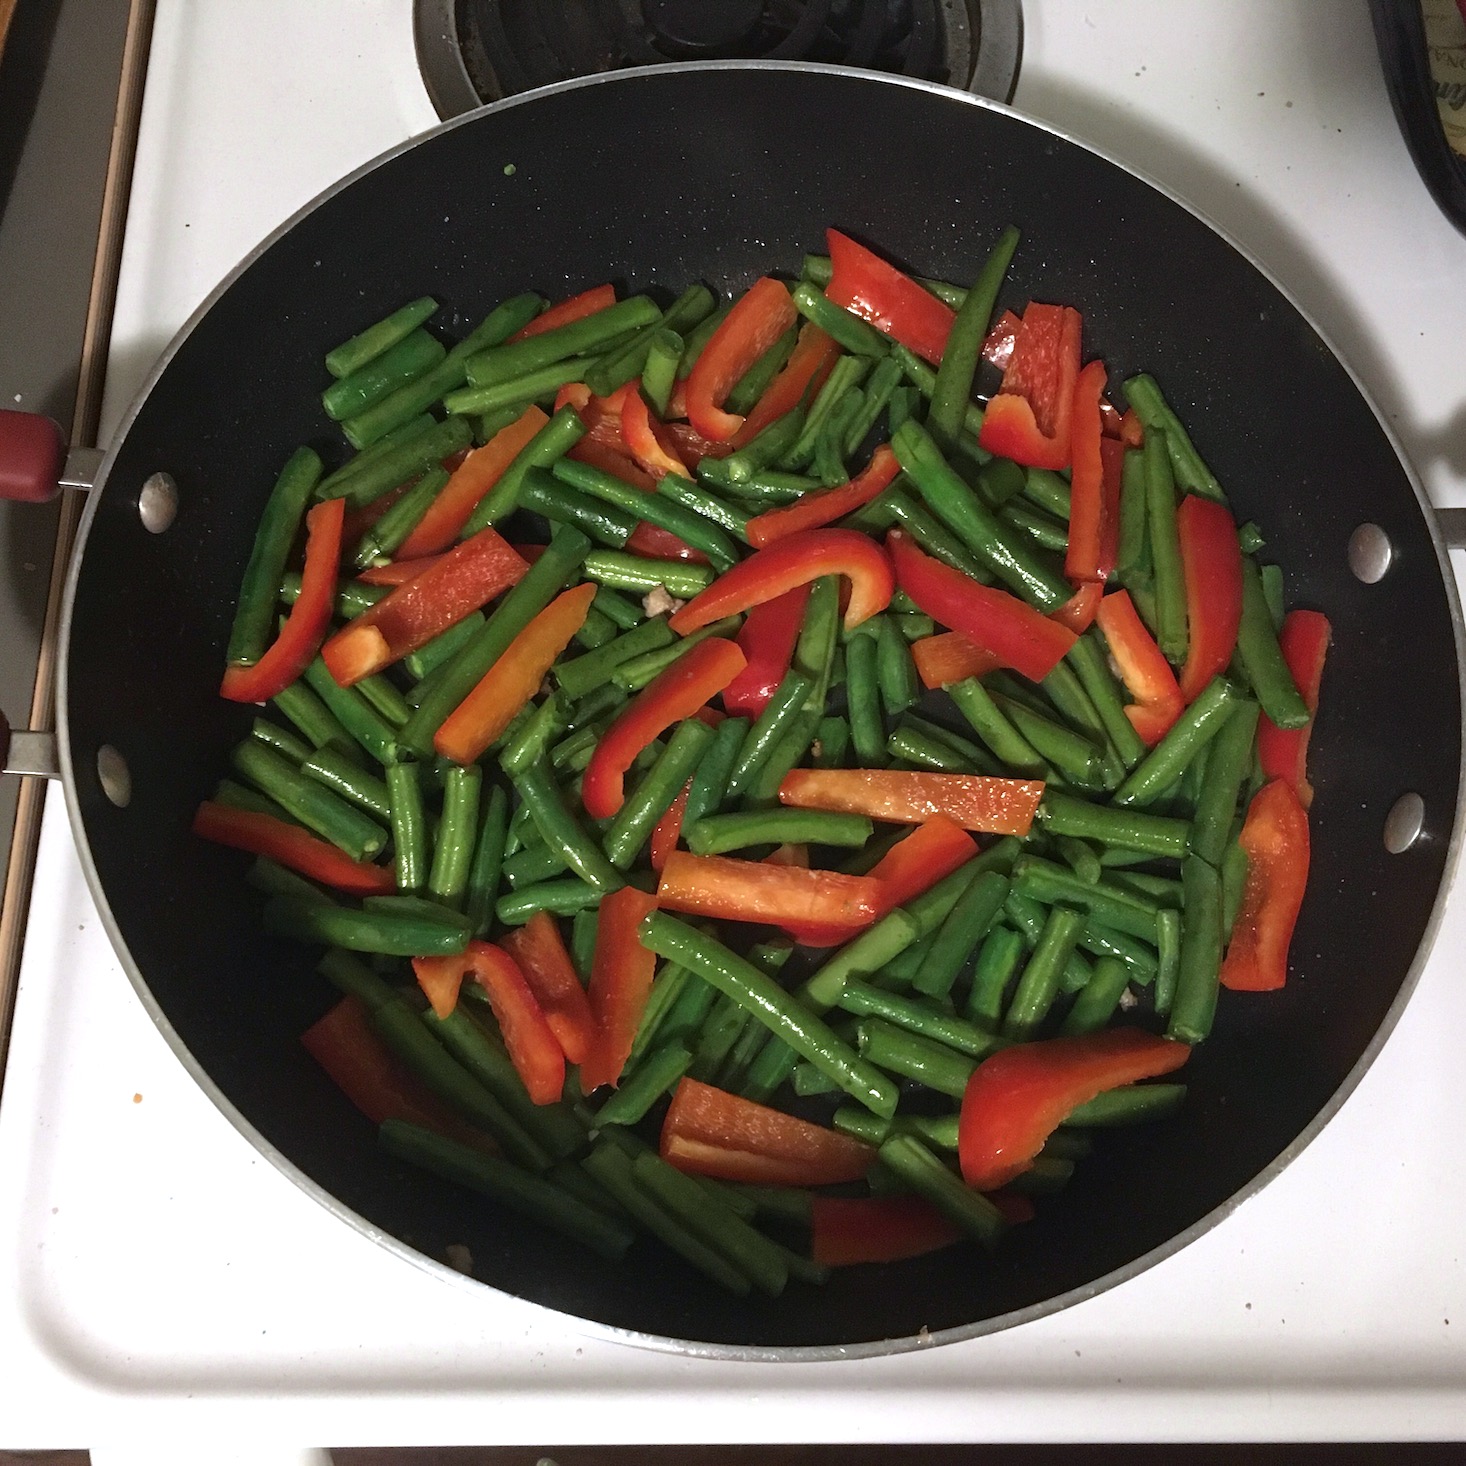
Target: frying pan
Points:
(724, 172)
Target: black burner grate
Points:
(475, 51)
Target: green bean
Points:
(1063, 814)
(634, 573)
(667, 989)
(1126, 911)
(529, 741)
(658, 509)
(717, 834)
(362, 931)
(1041, 979)
(828, 462)
(1048, 490)
(619, 364)
(500, 364)
(1262, 661)
(957, 937)
(482, 889)
(582, 675)
(1226, 769)
(752, 384)
(312, 717)
(831, 743)
(659, 374)
(458, 677)
(995, 729)
(649, 801)
(807, 1081)
(403, 362)
(561, 829)
(315, 806)
(1157, 416)
(698, 500)
(457, 830)
(779, 714)
(559, 898)
(632, 676)
(1079, 857)
(1129, 1105)
(542, 494)
(532, 864)
(406, 432)
(282, 740)
(409, 832)
(352, 596)
(883, 381)
(270, 879)
(384, 699)
(442, 647)
(650, 1081)
(1097, 1000)
(998, 961)
(818, 270)
(1165, 549)
(771, 445)
(380, 337)
(963, 351)
(767, 484)
(894, 669)
(722, 1030)
(872, 950)
(1092, 669)
(279, 523)
(928, 1177)
(912, 1056)
(1168, 958)
(410, 456)
(1047, 534)
(332, 768)
(1191, 732)
(1013, 562)
(556, 438)
(1234, 881)
(863, 706)
(804, 1032)
(847, 330)
(373, 734)
(917, 1017)
(933, 536)
(924, 379)
(1072, 754)
(708, 790)
(1194, 1005)
(1132, 557)
(847, 374)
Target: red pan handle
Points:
(32, 456)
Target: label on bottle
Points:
(1445, 38)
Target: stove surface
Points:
(167, 1280)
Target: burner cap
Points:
(702, 27)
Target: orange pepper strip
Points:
(754, 891)
(710, 1132)
(812, 361)
(931, 852)
(292, 847)
(474, 477)
(310, 617)
(620, 983)
(455, 585)
(701, 672)
(515, 678)
(826, 506)
(950, 657)
(668, 830)
(973, 801)
(646, 438)
(539, 949)
(1275, 837)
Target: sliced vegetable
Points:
(290, 846)
(1029, 419)
(756, 321)
(869, 287)
(1283, 753)
(971, 801)
(1275, 837)
(620, 983)
(1212, 563)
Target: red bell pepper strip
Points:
(844, 1230)
(690, 445)
(710, 1132)
(362, 517)
(1283, 753)
(1024, 638)
(931, 852)
(1211, 560)
(601, 415)
(371, 1076)
(515, 678)
(398, 572)
(822, 507)
(1143, 669)
(292, 847)
(1019, 1095)
(950, 657)
(667, 830)
(539, 950)
(767, 637)
(799, 379)
(1275, 837)
(300, 638)
(655, 543)
(612, 459)
(1132, 430)
(754, 891)
(1079, 611)
(1087, 504)
(474, 477)
(453, 587)
(1029, 418)
(532, 1045)
(1112, 473)
(646, 438)
(876, 291)
(998, 348)
(794, 560)
(757, 320)
(576, 308)
(972, 801)
(620, 982)
(700, 673)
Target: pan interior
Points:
(738, 172)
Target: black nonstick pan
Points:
(655, 178)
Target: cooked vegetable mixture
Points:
(748, 789)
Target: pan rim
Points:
(824, 1353)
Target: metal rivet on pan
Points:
(1370, 553)
(1405, 823)
(114, 776)
(157, 504)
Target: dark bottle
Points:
(1422, 46)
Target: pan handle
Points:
(35, 464)
(1452, 524)
(27, 753)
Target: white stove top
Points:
(166, 1282)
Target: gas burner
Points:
(477, 51)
